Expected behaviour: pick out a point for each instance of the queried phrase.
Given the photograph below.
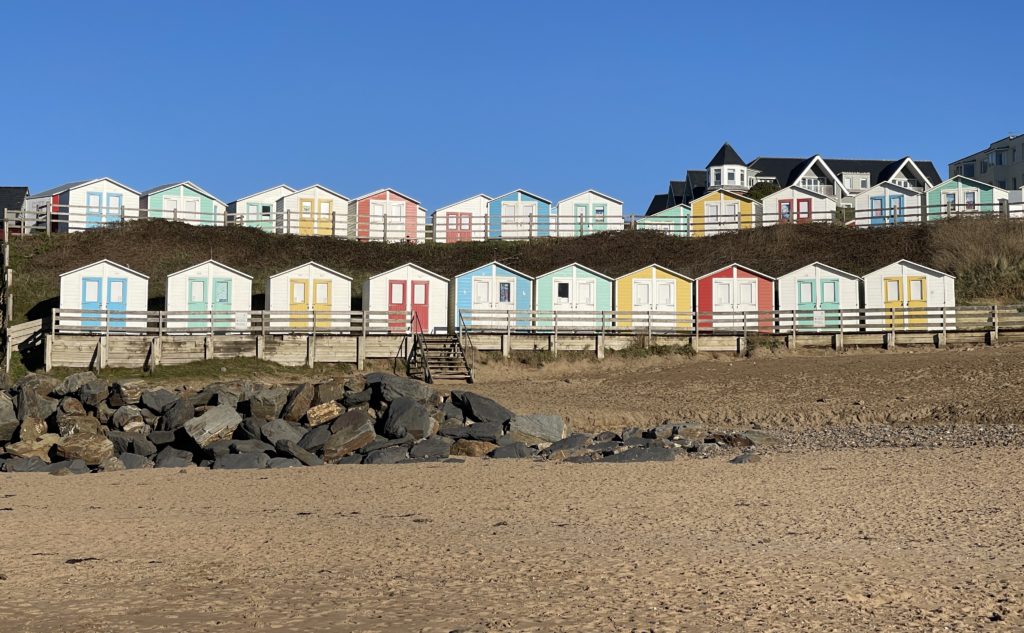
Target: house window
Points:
(718, 177)
(863, 183)
(731, 176)
(806, 295)
(505, 292)
(747, 292)
(984, 166)
(849, 183)
(967, 169)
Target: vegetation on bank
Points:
(986, 255)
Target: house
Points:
(101, 295)
(258, 210)
(315, 210)
(961, 195)
(909, 296)
(462, 221)
(1001, 164)
(387, 215)
(797, 205)
(208, 296)
(735, 297)
(819, 297)
(296, 295)
(721, 211)
(570, 290)
(86, 204)
(12, 199)
(887, 203)
(183, 202)
(674, 220)
(493, 287)
(652, 290)
(518, 215)
(407, 298)
(586, 213)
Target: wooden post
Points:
(103, 352)
(793, 328)
(385, 227)
(47, 351)
(207, 347)
(993, 335)
(650, 328)
(311, 345)
(49, 218)
(360, 352)
(554, 338)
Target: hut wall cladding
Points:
(624, 300)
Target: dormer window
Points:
(863, 183)
(717, 177)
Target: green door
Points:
(222, 302)
(805, 302)
(829, 302)
(198, 304)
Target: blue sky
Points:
(442, 100)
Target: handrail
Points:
(464, 332)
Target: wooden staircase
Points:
(439, 357)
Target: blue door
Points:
(92, 301)
(222, 302)
(877, 209)
(896, 209)
(114, 202)
(93, 209)
(117, 301)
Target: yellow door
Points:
(322, 302)
(298, 302)
(324, 217)
(892, 288)
(917, 293)
(306, 222)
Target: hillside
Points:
(987, 256)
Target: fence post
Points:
(650, 327)
(49, 218)
(385, 236)
(793, 329)
(994, 338)
(554, 339)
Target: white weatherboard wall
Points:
(136, 294)
(279, 298)
(78, 199)
(178, 299)
(288, 208)
(913, 202)
(848, 296)
(375, 295)
(940, 292)
(240, 208)
(475, 207)
(823, 208)
(565, 220)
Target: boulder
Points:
(536, 428)
(71, 385)
(607, 436)
(26, 465)
(454, 430)
(661, 432)
(104, 412)
(288, 448)
(436, 447)
(126, 392)
(485, 431)
(9, 422)
(324, 413)
(156, 400)
(641, 454)
(357, 398)
(91, 448)
(37, 447)
(406, 416)
(177, 413)
(251, 446)
(330, 391)
(268, 402)
(515, 450)
(8, 430)
(170, 457)
(571, 446)
(758, 437)
(452, 411)
(73, 467)
(480, 408)
(70, 405)
(94, 392)
(122, 441)
(235, 461)
(276, 430)
(390, 387)
(218, 423)
(133, 461)
(380, 442)
(252, 428)
(31, 428)
(389, 455)
(111, 464)
(143, 446)
(218, 448)
(349, 434)
(283, 462)
(354, 458)
(30, 404)
(224, 394)
(631, 433)
(472, 448)
(128, 418)
(71, 425)
(315, 438)
(299, 401)
(160, 438)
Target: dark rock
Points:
(537, 428)
(161, 438)
(123, 441)
(584, 458)
(472, 448)
(389, 455)
(268, 402)
(357, 398)
(206, 463)
(299, 401)
(406, 416)
(607, 448)
(630, 434)
(92, 448)
(354, 458)
(607, 436)
(143, 446)
(72, 467)
(380, 442)
(177, 413)
(480, 408)
(283, 462)
(436, 447)
(9, 422)
(133, 461)
(454, 430)
(288, 448)
(389, 387)
(156, 400)
(234, 461)
(641, 454)
(170, 457)
(485, 431)
(746, 458)
(71, 385)
(26, 465)
(324, 413)
(277, 430)
(516, 450)
(251, 446)
(94, 392)
(30, 404)
(452, 411)
(224, 395)
(70, 405)
(218, 423)
(126, 392)
(315, 438)
(330, 391)
(104, 412)
(661, 432)
(218, 448)
(569, 447)
(251, 428)
(349, 433)
(648, 442)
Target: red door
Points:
(803, 210)
(396, 305)
(459, 227)
(421, 305)
(785, 211)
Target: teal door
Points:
(829, 303)
(93, 209)
(805, 302)
(198, 303)
(260, 215)
(117, 301)
(222, 302)
(92, 301)
(206, 217)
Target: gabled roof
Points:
(971, 181)
(260, 193)
(215, 263)
(315, 265)
(12, 198)
(817, 159)
(410, 264)
(803, 190)
(323, 188)
(109, 263)
(593, 191)
(726, 156)
(532, 195)
(581, 267)
(186, 183)
(659, 267)
(787, 171)
(675, 206)
(373, 193)
(896, 167)
(890, 185)
(499, 265)
(740, 266)
(448, 206)
(724, 192)
(658, 204)
(907, 262)
(832, 269)
(76, 184)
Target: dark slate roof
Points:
(726, 156)
(929, 170)
(787, 170)
(160, 188)
(12, 197)
(696, 185)
(784, 170)
(60, 189)
(658, 203)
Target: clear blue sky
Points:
(442, 100)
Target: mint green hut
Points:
(673, 221)
(573, 296)
(183, 202)
(964, 196)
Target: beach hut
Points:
(463, 221)
(815, 294)
(518, 215)
(183, 202)
(209, 296)
(408, 288)
(674, 220)
(721, 211)
(493, 287)
(103, 286)
(310, 288)
(909, 296)
(797, 205)
(887, 203)
(259, 210)
(86, 204)
(961, 195)
(386, 215)
(586, 213)
(315, 210)
(662, 297)
(571, 290)
(735, 297)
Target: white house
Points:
(909, 296)
(293, 295)
(797, 205)
(820, 297)
(259, 210)
(315, 210)
(408, 288)
(86, 204)
(209, 296)
(98, 296)
(462, 221)
(585, 213)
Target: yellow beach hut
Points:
(654, 292)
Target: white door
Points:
(191, 210)
(396, 222)
(509, 219)
(377, 213)
(665, 296)
(746, 299)
(731, 221)
(722, 303)
(528, 219)
(712, 218)
(642, 295)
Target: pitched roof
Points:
(410, 265)
(373, 193)
(787, 170)
(907, 262)
(658, 204)
(260, 193)
(186, 183)
(12, 197)
(581, 267)
(497, 264)
(315, 265)
(532, 195)
(658, 267)
(106, 261)
(835, 270)
(740, 266)
(593, 191)
(77, 183)
(448, 206)
(726, 156)
(215, 263)
(333, 193)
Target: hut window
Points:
(916, 290)
(397, 293)
(419, 294)
(481, 290)
(197, 291)
(806, 293)
(504, 292)
(599, 214)
(723, 293)
(92, 291)
(969, 198)
(643, 293)
(116, 291)
(828, 292)
(562, 292)
(298, 293)
(322, 290)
